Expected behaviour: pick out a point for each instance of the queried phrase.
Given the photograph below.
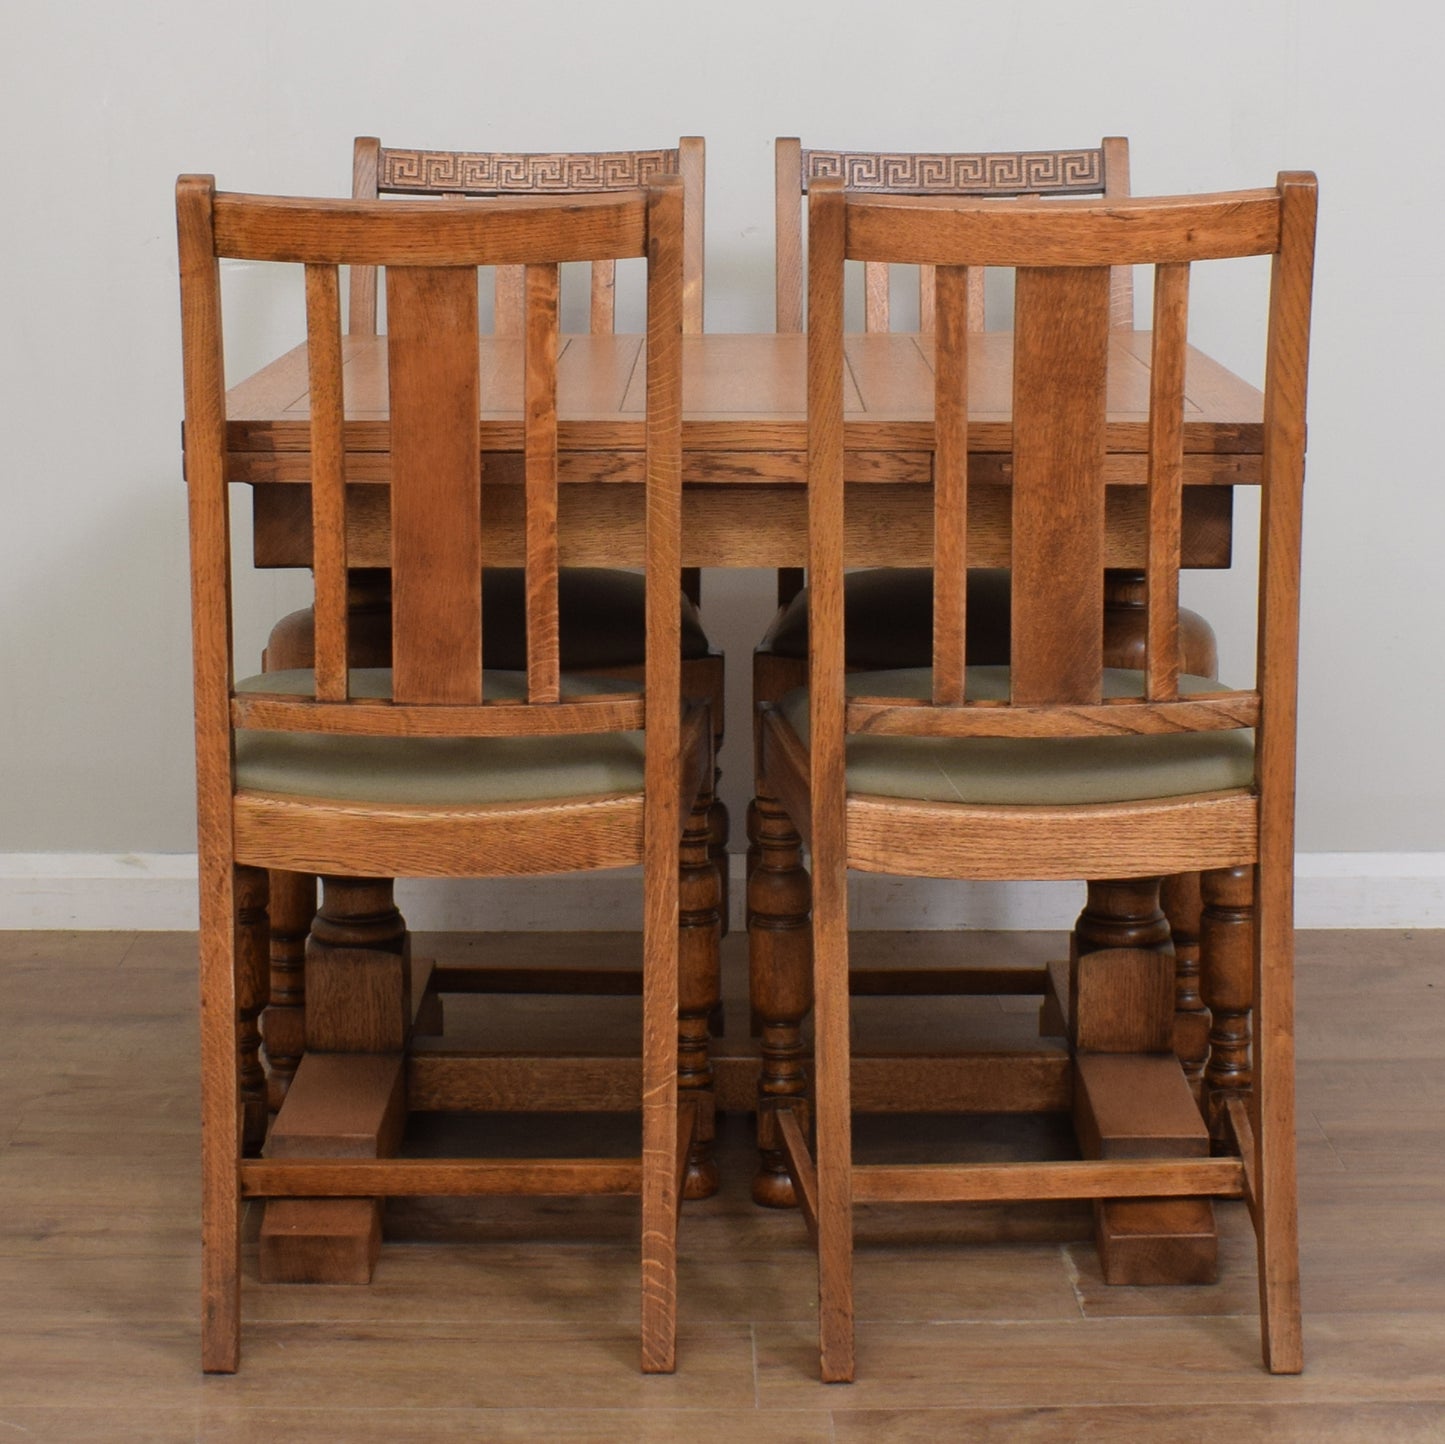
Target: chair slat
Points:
(510, 303)
(603, 310)
(436, 484)
(950, 483)
(1060, 370)
(927, 298)
(540, 452)
(328, 479)
(875, 296)
(1166, 478)
(975, 298)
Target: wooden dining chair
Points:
(1057, 766)
(888, 622)
(601, 610)
(439, 765)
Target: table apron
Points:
(757, 524)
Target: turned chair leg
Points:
(781, 986)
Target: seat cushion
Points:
(888, 618)
(436, 770)
(601, 618)
(1024, 771)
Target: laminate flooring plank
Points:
(63, 1424)
(1141, 1424)
(284, 1366)
(974, 1322)
(1179, 1362)
(421, 1424)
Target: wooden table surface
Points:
(744, 439)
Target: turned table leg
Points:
(348, 1096)
(252, 986)
(1226, 936)
(1180, 898)
(1133, 1098)
(781, 987)
(283, 1024)
(698, 989)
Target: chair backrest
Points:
(429, 252)
(984, 175)
(1062, 253)
(379, 170)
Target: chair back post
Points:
(789, 188)
(827, 837)
(209, 523)
(1115, 153)
(1282, 486)
(207, 500)
(361, 285)
(1285, 387)
(665, 305)
(663, 812)
(692, 168)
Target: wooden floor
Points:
(493, 1320)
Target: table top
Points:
(743, 392)
(744, 450)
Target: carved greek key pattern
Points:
(498, 173)
(997, 173)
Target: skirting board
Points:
(156, 892)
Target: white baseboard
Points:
(156, 892)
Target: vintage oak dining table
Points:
(745, 446)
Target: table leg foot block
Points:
(1157, 1241)
(320, 1240)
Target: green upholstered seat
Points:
(601, 619)
(601, 622)
(888, 618)
(1023, 771)
(436, 770)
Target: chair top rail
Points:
(490, 173)
(1142, 230)
(429, 233)
(978, 173)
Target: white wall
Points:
(102, 105)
